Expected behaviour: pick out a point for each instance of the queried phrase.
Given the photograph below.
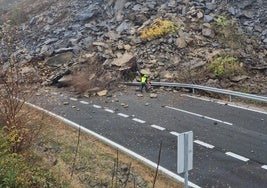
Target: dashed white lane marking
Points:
(117, 146)
(96, 106)
(199, 115)
(204, 144)
(84, 102)
(139, 120)
(73, 99)
(264, 167)
(174, 133)
(158, 127)
(123, 115)
(108, 110)
(237, 156)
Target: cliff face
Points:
(97, 43)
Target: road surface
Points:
(230, 142)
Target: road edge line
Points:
(116, 146)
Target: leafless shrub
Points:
(16, 86)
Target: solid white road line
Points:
(249, 109)
(139, 120)
(158, 127)
(108, 110)
(117, 146)
(228, 104)
(239, 157)
(199, 115)
(196, 97)
(84, 102)
(264, 167)
(204, 144)
(96, 106)
(73, 99)
(174, 133)
(123, 115)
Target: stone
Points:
(124, 105)
(153, 95)
(232, 10)
(239, 78)
(102, 93)
(200, 15)
(208, 18)
(59, 59)
(167, 75)
(123, 60)
(207, 32)
(145, 71)
(211, 6)
(181, 42)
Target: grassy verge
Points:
(63, 156)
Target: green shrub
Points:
(229, 34)
(225, 65)
(23, 169)
(12, 165)
(222, 21)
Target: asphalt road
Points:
(230, 143)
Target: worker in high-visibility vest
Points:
(144, 80)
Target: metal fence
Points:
(205, 88)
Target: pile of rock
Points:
(67, 36)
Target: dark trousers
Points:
(144, 85)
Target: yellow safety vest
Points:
(143, 79)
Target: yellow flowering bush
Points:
(158, 29)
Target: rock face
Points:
(102, 38)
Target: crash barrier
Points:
(204, 88)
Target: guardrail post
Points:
(230, 98)
(193, 91)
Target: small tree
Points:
(16, 87)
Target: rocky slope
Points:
(93, 45)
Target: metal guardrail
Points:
(205, 88)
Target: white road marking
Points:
(108, 110)
(237, 156)
(195, 97)
(139, 120)
(123, 115)
(199, 115)
(73, 99)
(244, 108)
(84, 102)
(264, 167)
(174, 133)
(226, 103)
(158, 127)
(96, 106)
(117, 146)
(204, 144)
